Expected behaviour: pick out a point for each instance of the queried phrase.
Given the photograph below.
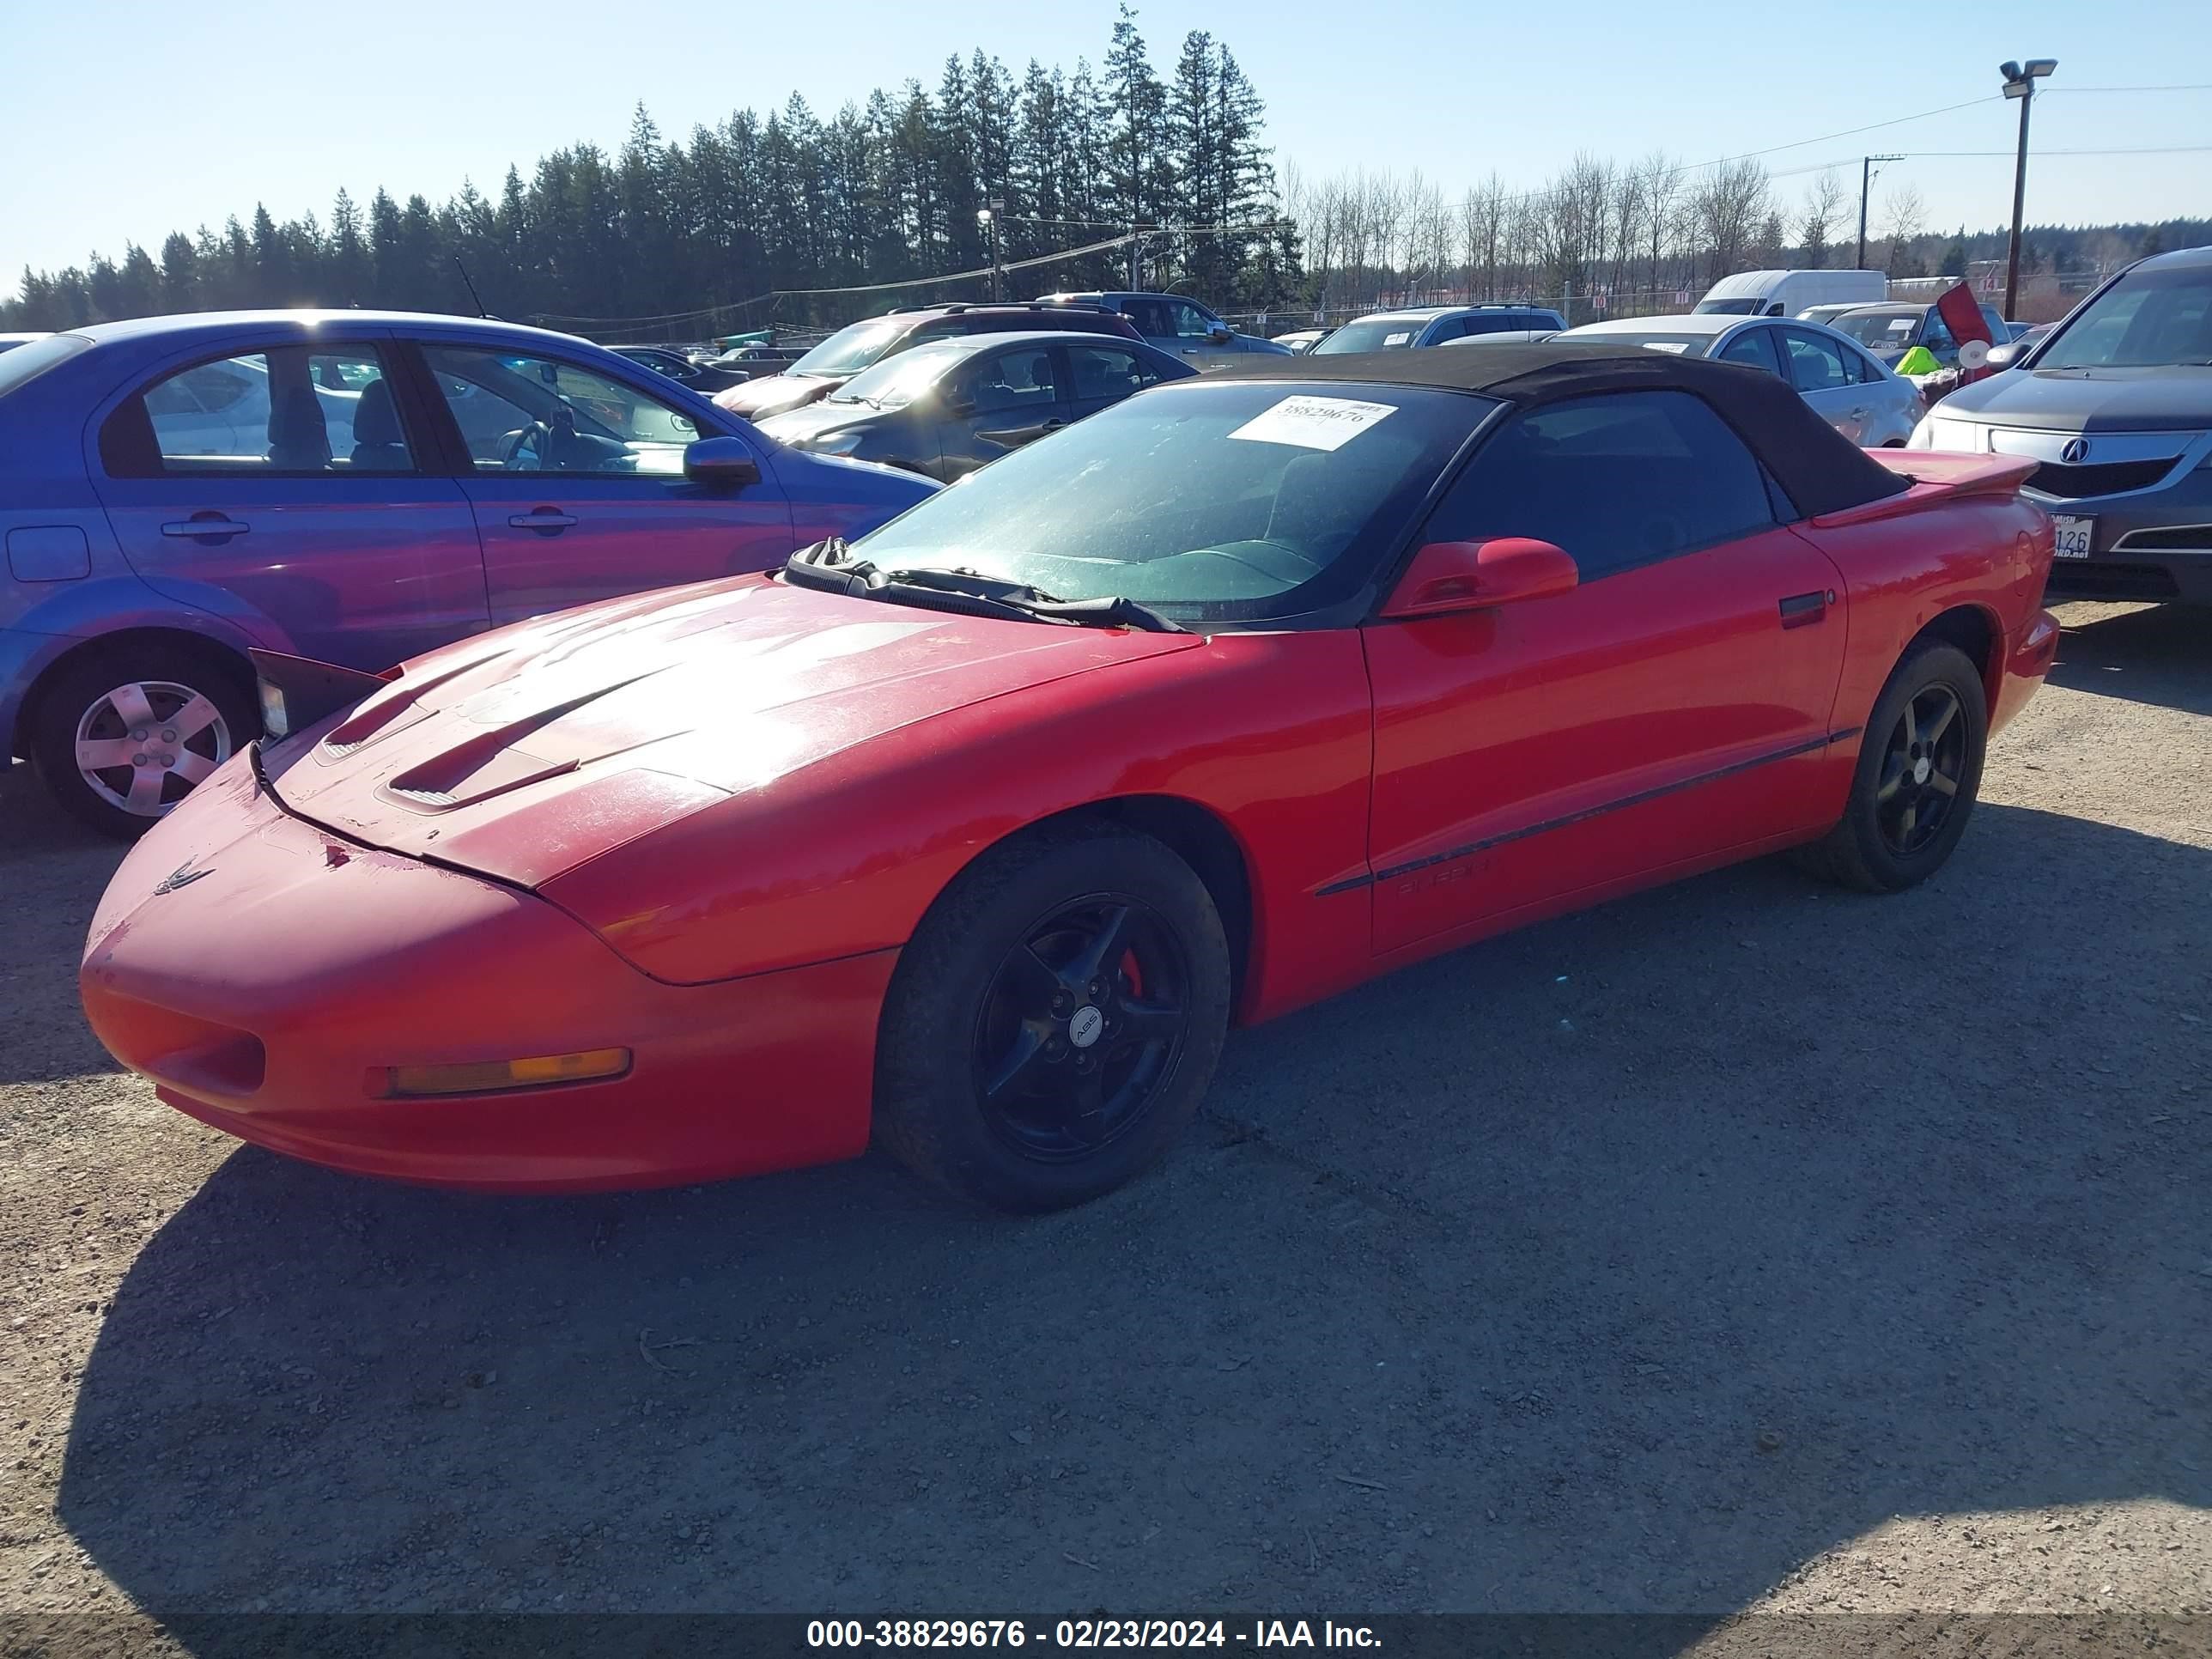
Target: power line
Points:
(2189, 86)
(2146, 149)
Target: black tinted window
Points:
(1617, 480)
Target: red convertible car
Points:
(974, 837)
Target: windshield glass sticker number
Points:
(1313, 422)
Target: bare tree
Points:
(1824, 205)
(1727, 206)
(1659, 181)
(1904, 215)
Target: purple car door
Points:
(290, 487)
(578, 485)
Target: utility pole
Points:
(1866, 181)
(2019, 84)
(1134, 287)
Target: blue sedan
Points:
(353, 486)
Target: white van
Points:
(1789, 292)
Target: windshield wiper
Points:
(1112, 611)
(826, 568)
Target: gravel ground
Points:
(1741, 1246)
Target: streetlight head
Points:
(982, 216)
(2010, 70)
(2041, 66)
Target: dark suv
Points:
(851, 349)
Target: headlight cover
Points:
(1937, 432)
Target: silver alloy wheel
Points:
(142, 746)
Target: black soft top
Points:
(1819, 468)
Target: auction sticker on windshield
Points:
(1313, 422)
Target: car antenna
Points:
(472, 287)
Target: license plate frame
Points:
(2074, 536)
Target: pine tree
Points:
(272, 262)
(179, 273)
(1143, 181)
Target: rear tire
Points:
(1054, 1022)
(161, 716)
(1918, 775)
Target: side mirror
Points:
(2001, 356)
(1221, 334)
(957, 406)
(721, 464)
(1450, 576)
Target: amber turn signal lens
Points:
(490, 1076)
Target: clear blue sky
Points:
(127, 121)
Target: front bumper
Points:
(264, 973)
(2148, 543)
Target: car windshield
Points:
(1892, 328)
(1373, 334)
(2148, 319)
(35, 357)
(850, 350)
(1728, 307)
(897, 381)
(1210, 501)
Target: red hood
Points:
(522, 753)
(758, 400)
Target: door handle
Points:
(209, 526)
(545, 520)
(1803, 610)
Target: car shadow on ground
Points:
(52, 871)
(2158, 653)
(1626, 1263)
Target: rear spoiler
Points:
(1935, 477)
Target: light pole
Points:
(1866, 181)
(988, 218)
(2019, 84)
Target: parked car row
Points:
(359, 488)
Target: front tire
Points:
(1919, 774)
(1054, 1022)
(122, 736)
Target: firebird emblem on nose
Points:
(183, 876)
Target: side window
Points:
(1755, 349)
(1105, 372)
(1488, 322)
(1150, 317)
(1617, 480)
(520, 414)
(1187, 321)
(1864, 370)
(1816, 364)
(1935, 334)
(289, 410)
(1013, 381)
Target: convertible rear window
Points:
(1212, 501)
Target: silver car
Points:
(2115, 405)
(1855, 394)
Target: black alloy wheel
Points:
(1052, 1023)
(1918, 772)
(1082, 1026)
(1921, 770)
